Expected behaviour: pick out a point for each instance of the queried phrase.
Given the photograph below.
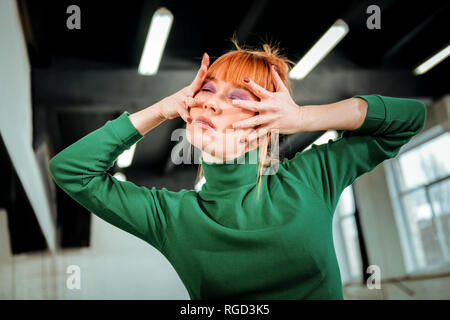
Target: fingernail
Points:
(242, 140)
(246, 80)
(235, 125)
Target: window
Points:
(346, 238)
(420, 186)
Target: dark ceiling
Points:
(82, 78)
(112, 35)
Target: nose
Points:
(211, 105)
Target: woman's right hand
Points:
(177, 104)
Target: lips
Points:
(204, 122)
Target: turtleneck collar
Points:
(227, 176)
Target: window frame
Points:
(392, 167)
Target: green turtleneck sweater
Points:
(222, 241)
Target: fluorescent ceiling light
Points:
(330, 134)
(120, 176)
(156, 41)
(434, 60)
(320, 50)
(125, 159)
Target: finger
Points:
(205, 60)
(256, 88)
(198, 81)
(277, 82)
(255, 106)
(258, 134)
(189, 102)
(201, 74)
(182, 111)
(252, 122)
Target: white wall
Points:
(16, 117)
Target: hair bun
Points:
(273, 51)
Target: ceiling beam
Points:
(115, 90)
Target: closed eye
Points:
(239, 95)
(208, 87)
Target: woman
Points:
(224, 241)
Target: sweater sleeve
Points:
(329, 168)
(80, 170)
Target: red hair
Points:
(254, 64)
(236, 64)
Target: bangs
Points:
(235, 65)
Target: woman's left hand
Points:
(276, 110)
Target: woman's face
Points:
(212, 117)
